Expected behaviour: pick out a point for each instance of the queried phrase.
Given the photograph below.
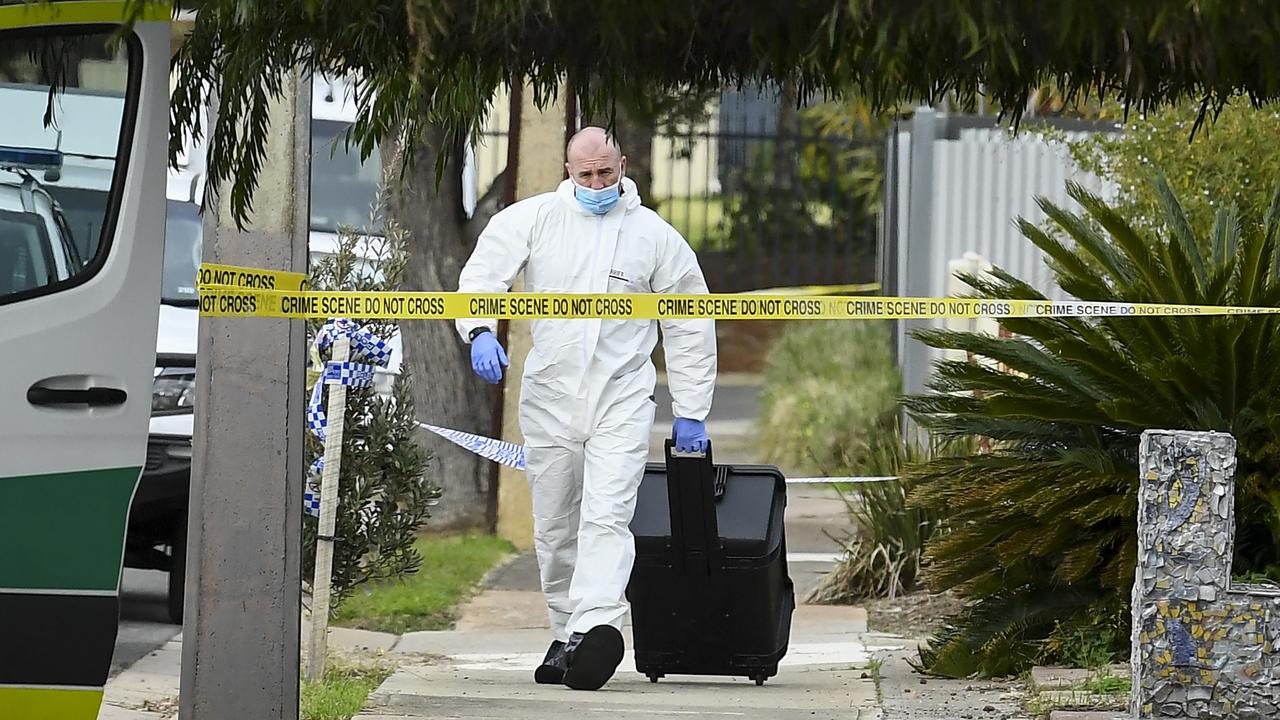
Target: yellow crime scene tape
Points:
(243, 292)
(231, 276)
(817, 289)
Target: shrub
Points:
(383, 498)
(1042, 529)
(882, 556)
(830, 395)
(1233, 160)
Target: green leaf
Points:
(1185, 248)
(1225, 226)
(1088, 239)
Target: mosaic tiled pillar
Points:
(1201, 647)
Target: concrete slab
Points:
(352, 639)
(1052, 677)
(1084, 699)
(452, 642)
(519, 573)
(136, 707)
(1086, 715)
(807, 577)
(828, 620)
(515, 609)
(907, 695)
(807, 566)
(144, 617)
(822, 636)
(165, 661)
(148, 689)
(505, 619)
(447, 691)
(112, 712)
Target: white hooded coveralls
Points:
(586, 400)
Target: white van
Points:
(83, 127)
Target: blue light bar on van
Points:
(16, 158)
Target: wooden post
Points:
(335, 414)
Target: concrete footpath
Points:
(484, 669)
(148, 689)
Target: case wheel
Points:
(759, 679)
(654, 677)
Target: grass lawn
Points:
(697, 218)
(342, 692)
(428, 599)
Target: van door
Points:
(83, 138)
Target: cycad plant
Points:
(1043, 526)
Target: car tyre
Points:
(178, 570)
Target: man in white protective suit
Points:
(587, 396)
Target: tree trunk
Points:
(445, 390)
(784, 148)
(636, 139)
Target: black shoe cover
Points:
(593, 657)
(551, 671)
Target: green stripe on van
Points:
(65, 531)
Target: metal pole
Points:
(915, 267)
(887, 255)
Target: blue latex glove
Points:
(488, 357)
(691, 435)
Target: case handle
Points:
(692, 480)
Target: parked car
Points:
(36, 244)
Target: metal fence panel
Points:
(983, 183)
(766, 210)
(981, 180)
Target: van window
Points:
(67, 95)
(343, 187)
(182, 233)
(26, 255)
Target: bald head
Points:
(591, 140)
(593, 158)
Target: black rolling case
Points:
(709, 592)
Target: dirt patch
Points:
(742, 345)
(914, 615)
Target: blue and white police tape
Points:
(351, 373)
(513, 456)
(499, 451)
(363, 342)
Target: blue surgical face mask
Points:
(598, 201)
